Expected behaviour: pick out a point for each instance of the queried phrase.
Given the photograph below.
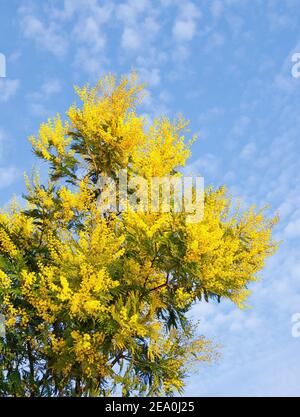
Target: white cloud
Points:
(39, 109)
(249, 150)
(151, 27)
(92, 64)
(292, 230)
(151, 76)
(211, 115)
(8, 88)
(280, 19)
(83, 7)
(208, 164)
(128, 12)
(8, 175)
(50, 32)
(140, 25)
(180, 53)
(52, 86)
(14, 56)
(189, 11)
(215, 318)
(184, 30)
(38, 98)
(130, 39)
(48, 36)
(185, 26)
(88, 32)
(47, 89)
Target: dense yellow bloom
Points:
(86, 352)
(52, 134)
(94, 299)
(164, 150)
(5, 281)
(6, 244)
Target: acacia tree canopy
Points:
(97, 300)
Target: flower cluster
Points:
(96, 299)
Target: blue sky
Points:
(226, 66)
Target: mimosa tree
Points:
(98, 299)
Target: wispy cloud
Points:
(224, 64)
(8, 175)
(47, 36)
(185, 25)
(8, 88)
